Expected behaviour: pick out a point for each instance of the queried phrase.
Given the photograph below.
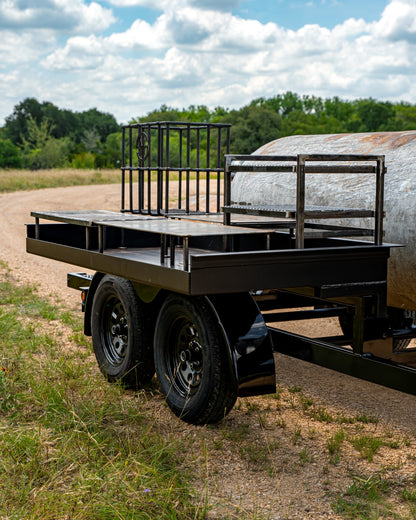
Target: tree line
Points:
(41, 135)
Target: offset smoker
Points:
(185, 281)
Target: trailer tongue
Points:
(192, 286)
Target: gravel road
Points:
(48, 275)
(296, 486)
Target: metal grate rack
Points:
(186, 161)
(302, 165)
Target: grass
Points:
(17, 180)
(334, 444)
(72, 445)
(373, 497)
(363, 498)
(367, 445)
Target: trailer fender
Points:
(88, 303)
(249, 343)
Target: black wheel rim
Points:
(185, 357)
(114, 330)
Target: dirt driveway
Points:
(48, 275)
(272, 455)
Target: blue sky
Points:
(294, 14)
(291, 14)
(127, 57)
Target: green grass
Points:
(72, 445)
(18, 180)
(363, 498)
(334, 444)
(322, 415)
(376, 497)
(367, 445)
(409, 495)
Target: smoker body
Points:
(399, 149)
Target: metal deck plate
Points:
(147, 223)
(89, 218)
(183, 228)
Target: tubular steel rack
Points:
(174, 177)
(190, 153)
(300, 166)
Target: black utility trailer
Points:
(192, 286)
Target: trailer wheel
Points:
(191, 361)
(121, 334)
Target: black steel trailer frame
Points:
(180, 240)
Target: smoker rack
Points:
(300, 166)
(190, 153)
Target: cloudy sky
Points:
(128, 57)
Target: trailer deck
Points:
(197, 257)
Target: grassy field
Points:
(72, 446)
(15, 180)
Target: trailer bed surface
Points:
(196, 257)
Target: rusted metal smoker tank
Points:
(345, 190)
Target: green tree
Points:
(406, 115)
(112, 150)
(37, 133)
(373, 116)
(16, 124)
(102, 123)
(191, 114)
(54, 153)
(340, 110)
(64, 123)
(283, 104)
(40, 149)
(252, 127)
(91, 140)
(9, 154)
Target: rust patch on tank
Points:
(335, 137)
(268, 147)
(367, 142)
(390, 140)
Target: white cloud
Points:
(160, 5)
(196, 54)
(142, 35)
(79, 53)
(398, 21)
(23, 47)
(57, 15)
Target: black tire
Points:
(191, 361)
(121, 333)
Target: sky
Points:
(128, 57)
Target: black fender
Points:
(88, 303)
(249, 342)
